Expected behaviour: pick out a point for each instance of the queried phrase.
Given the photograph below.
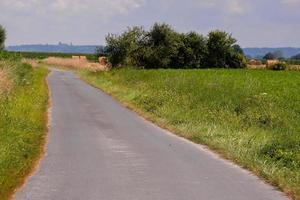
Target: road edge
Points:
(43, 148)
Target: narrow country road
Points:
(99, 150)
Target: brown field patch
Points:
(75, 63)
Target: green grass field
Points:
(249, 116)
(22, 124)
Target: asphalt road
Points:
(99, 150)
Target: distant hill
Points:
(260, 52)
(60, 48)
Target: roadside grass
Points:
(249, 116)
(22, 124)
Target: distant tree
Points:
(162, 46)
(127, 48)
(2, 37)
(222, 50)
(269, 56)
(116, 49)
(278, 54)
(100, 51)
(236, 60)
(237, 48)
(296, 57)
(193, 52)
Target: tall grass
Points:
(22, 122)
(5, 82)
(250, 116)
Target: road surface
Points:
(99, 150)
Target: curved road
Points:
(99, 150)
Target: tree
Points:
(236, 60)
(164, 45)
(193, 52)
(269, 56)
(222, 51)
(125, 49)
(100, 51)
(2, 37)
(237, 48)
(116, 49)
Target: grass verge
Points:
(249, 116)
(22, 125)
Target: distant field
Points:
(43, 55)
(249, 116)
(23, 105)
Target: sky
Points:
(254, 23)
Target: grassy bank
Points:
(249, 116)
(23, 119)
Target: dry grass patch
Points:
(34, 63)
(5, 82)
(75, 64)
(256, 66)
(293, 67)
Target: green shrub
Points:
(279, 66)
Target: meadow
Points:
(23, 119)
(248, 116)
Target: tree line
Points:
(163, 47)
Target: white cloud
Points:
(72, 7)
(236, 7)
(226, 6)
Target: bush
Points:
(278, 66)
(11, 56)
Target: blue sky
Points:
(255, 23)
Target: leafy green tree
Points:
(164, 44)
(219, 46)
(193, 51)
(116, 49)
(238, 49)
(236, 60)
(125, 49)
(2, 37)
